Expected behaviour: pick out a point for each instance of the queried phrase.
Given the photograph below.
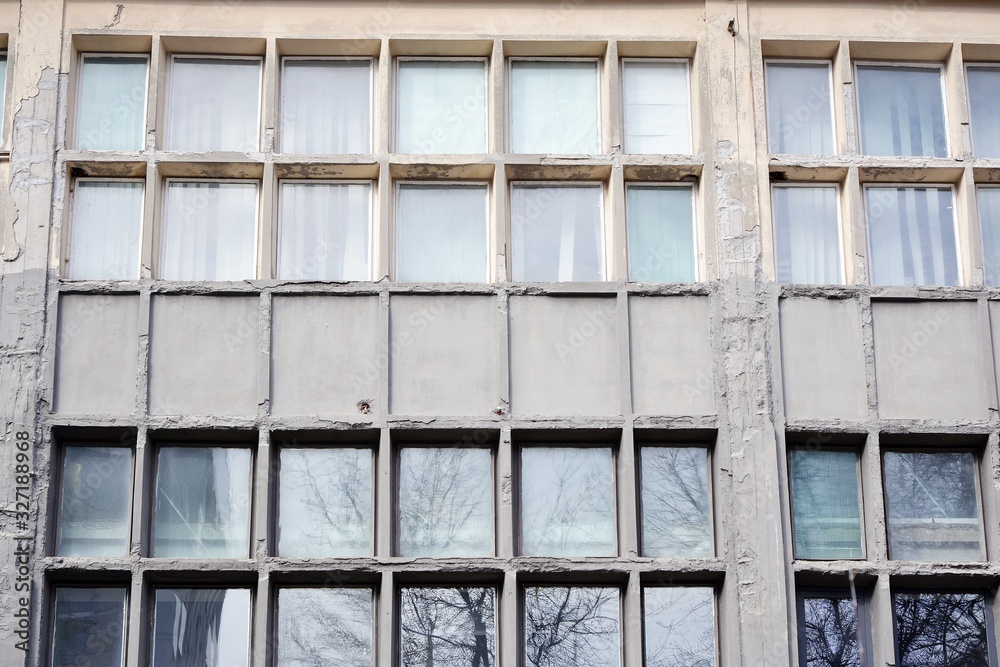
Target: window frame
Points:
(70, 228)
(690, 100)
(77, 96)
(696, 236)
(841, 228)
(51, 614)
(965, 76)
(833, 112)
(862, 599)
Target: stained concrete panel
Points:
(453, 333)
(823, 359)
(323, 354)
(563, 356)
(929, 361)
(203, 355)
(96, 354)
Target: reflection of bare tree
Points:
(318, 627)
(941, 629)
(447, 627)
(830, 630)
(679, 626)
(569, 627)
(675, 502)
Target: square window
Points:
(447, 626)
(209, 231)
(325, 502)
(932, 503)
(104, 236)
(202, 505)
(942, 629)
(657, 106)
(324, 230)
(984, 110)
(89, 627)
(441, 233)
(567, 501)
(441, 106)
(678, 626)
(676, 503)
(554, 107)
(326, 106)
(572, 626)
(807, 244)
(826, 513)
(901, 110)
(556, 232)
(989, 225)
(201, 626)
(111, 103)
(213, 104)
(830, 634)
(324, 626)
(95, 502)
(799, 109)
(661, 234)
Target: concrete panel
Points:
(928, 360)
(823, 359)
(563, 356)
(323, 354)
(203, 355)
(431, 333)
(671, 356)
(96, 354)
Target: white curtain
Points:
(441, 233)
(911, 234)
(111, 109)
(105, 230)
(989, 223)
(902, 111)
(661, 245)
(806, 235)
(799, 117)
(213, 105)
(556, 233)
(324, 231)
(441, 106)
(554, 107)
(984, 107)
(326, 106)
(657, 107)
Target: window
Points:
(447, 626)
(989, 224)
(942, 629)
(571, 626)
(901, 110)
(657, 106)
(104, 237)
(3, 90)
(89, 627)
(807, 234)
(556, 232)
(678, 626)
(319, 626)
(213, 104)
(661, 234)
(830, 634)
(95, 502)
(676, 505)
(441, 106)
(208, 626)
(826, 514)
(799, 108)
(984, 110)
(554, 106)
(111, 104)
(326, 106)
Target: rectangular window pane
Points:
(901, 111)
(661, 240)
(324, 231)
(89, 627)
(3, 89)
(657, 107)
(325, 503)
(941, 630)
(676, 519)
(104, 238)
(202, 502)
(828, 632)
(209, 231)
(567, 501)
(556, 233)
(933, 506)
(984, 110)
(324, 626)
(554, 107)
(679, 626)
(571, 626)
(111, 105)
(799, 112)
(95, 502)
(213, 104)
(441, 107)
(989, 223)
(825, 504)
(447, 626)
(326, 106)
(911, 234)
(807, 235)
(441, 233)
(201, 626)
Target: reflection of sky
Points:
(679, 626)
(182, 608)
(234, 629)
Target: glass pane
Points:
(679, 626)
(324, 231)
(911, 232)
(799, 115)
(807, 235)
(556, 233)
(326, 106)
(676, 518)
(941, 630)
(657, 107)
(441, 233)
(932, 506)
(441, 107)
(902, 111)
(3, 87)
(554, 107)
(209, 231)
(661, 245)
(324, 626)
(829, 632)
(447, 627)
(104, 237)
(825, 506)
(325, 503)
(89, 628)
(201, 626)
(202, 502)
(111, 112)
(984, 109)
(213, 105)
(571, 626)
(95, 502)
(989, 223)
(445, 502)
(567, 501)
